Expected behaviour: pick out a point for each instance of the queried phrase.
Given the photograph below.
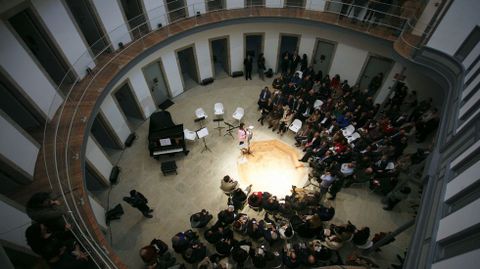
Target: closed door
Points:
(136, 18)
(255, 3)
(87, 21)
(176, 9)
(213, 5)
(188, 66)
(323, 55)
(288, 44)
(219, 52)
(104, 135)
(128, 104)
(295, 3)
(156, 82)
(375, 65)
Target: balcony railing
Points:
(62, 152)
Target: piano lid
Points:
(160, 120)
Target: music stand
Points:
(200, 120)
(230, 129)
(219, 128)
(202, 133)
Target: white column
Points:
(172, 73)
(142, 92)
(317, 5)
(156, 13)
(236, 51)
(196, 5)
(307, 45)
(63, 30)
(115, 118)
(13, 225)
(348, 62)
(271, 49)
(111, 15)
(387, 85)
(204, 61)
(98, 159)
(17, 62)
(233, 4)
(98, 212)
(16, 148)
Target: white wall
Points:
(194, 6)
(63, 30)
(348, 62)
(98, 211)
(115, 118)
(156, 13)
(236, 51)
(307, 45)
(172, 73)
(204, 61)
(318, 5)
(112, 18)
(233, 4)
(270, 49)
(15, 147)
(16, 61)
(141, 90)
(458, 22)
(98, 159)
(13, 225)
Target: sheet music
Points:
(165, 142)
(202, 132)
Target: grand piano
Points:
(164, 136)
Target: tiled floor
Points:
(176, 197)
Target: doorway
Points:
(106, 138)
(87, 21)
(220, 57)
(135, 16)
(96, 184)
(295, 3)
(253, 47)
(288, 44)
(322, 56)
(213, 5)
(129, 105)
(20, 110)
(28, 27)
(176, 10)
(155, 79)
(375, 65)
(188, 67)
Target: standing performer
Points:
(242, 138)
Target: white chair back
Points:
(199, 112)
(218, 109)
(238, 114)
(318, 104)
(295, 126)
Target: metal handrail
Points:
(82, 231)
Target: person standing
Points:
(242, 138)
(261, 66)
(138, 201)
(248, 65)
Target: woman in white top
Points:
(242, 138)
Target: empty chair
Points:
(238, 114)
(353, 137)
(218, 109)
(348, 131)
(295, 126)
(200, 113)
(318, 104)
(189, 135)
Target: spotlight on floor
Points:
(120, 45)
(159, 25)
(198, 13)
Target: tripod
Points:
(219, 128)
(230, 129)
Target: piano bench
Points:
(169, 167)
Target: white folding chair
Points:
(295, 126)
(348, 131)
(318, 104)
(200, 113)
(189, 135)
(238, 114)
(218, 109)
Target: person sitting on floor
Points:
(200, 219)
(227, 184)
(227, 216)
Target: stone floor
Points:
(176, 197)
